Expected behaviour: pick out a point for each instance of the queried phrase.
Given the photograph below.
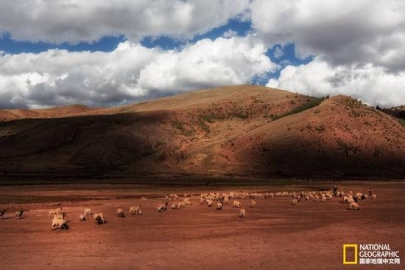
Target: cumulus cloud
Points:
(369, 83)
(76, 21)
(129, 73)
(207, 64)
(344, 32)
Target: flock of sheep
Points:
(60, 223)
(17, 214)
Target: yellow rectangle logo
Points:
(345, 247)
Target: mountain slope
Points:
(238, 130)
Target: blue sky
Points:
(100, 53)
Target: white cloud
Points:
(131, 72)
(344, 32)
(76, 20)
(369, 83)
(207, 64)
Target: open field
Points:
(274, 235)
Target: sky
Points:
(109, 53)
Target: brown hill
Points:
(8, 115)
(238, 130)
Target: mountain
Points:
(237, 130)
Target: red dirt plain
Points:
(274, 235)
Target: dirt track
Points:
(274, 235)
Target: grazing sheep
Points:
(253, 204)
(294, 201)
(374, 196)
(187, 201)
(345, 199)
(60, 216)
(181, 205)
(209, 202)
(87, 212)
(3, 211)
(219, 206)
(242, 213)
(120, 213)
(236, 204)
(52, 212)
(99, 218)
(59, 223)
(135, 210)
(162, 207)
(82, 218)
(174, 206)
(19, 213)
(354, 206)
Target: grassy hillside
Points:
(238, 130)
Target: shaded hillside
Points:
(239, 130)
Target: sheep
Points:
(162, 207)
(181, 205)
(59, 223)
(135, 210)
(294, 201)
(242, 213)
(374, 196)
(60, 216)
(236, 204)
(19, 213)
(82, 218)
(87, 212)
(3, 211)
(354, 206)
(345, 199)
(99, 218)
(120, 213)
(209, 203)
(54, 211)
(253, 204)
(174, 206)
(187, 201)
(219, 206)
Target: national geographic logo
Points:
(370, 254)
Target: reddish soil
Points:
(274, 235)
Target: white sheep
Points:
(374, 196)
(219, 206)
(354, 206)
(82, 218)
(99, 218)
(87, 212)
(59, 223)
(162, 207)
(242, 213)
(120, 213)
(54, 211)
(181, 205)
(236, 204)
(3, 211)
(294, 201)
(174, 206)
(59, 216)
(19, 213)
(135, 210)
(253, 204)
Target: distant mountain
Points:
(237, 130)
